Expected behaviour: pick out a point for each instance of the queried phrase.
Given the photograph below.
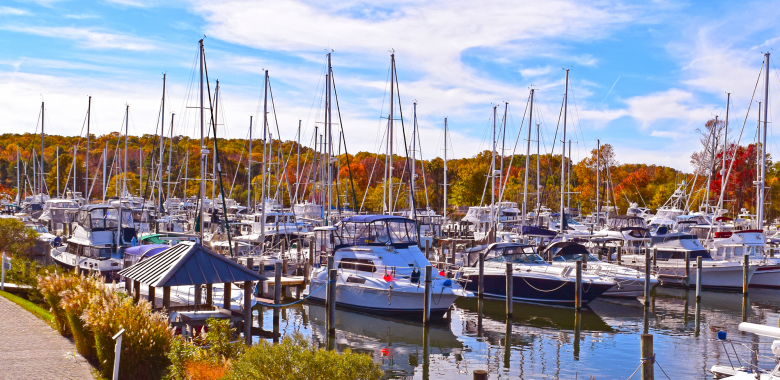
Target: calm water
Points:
(543, 342)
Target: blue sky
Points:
(675, 61)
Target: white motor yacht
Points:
(380, 268)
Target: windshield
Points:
(574, 257)
(388, 231)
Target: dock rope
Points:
(292, 303)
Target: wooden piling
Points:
(427, 299)
(306, 271)
(509, 289)
(332, 276)
(687, 269)
(655, 257)
(248, 313)
(226, 295)
(619, 255)
(699, 271)
(136, 290)
(480, 374)
(209, 294)
(452, 252)
(151, 295)
(278, 283)
(166, 298)
(578, 287)
(481, 279)
(745, 271)
(428, 249)
(648, 357)
(648, 272)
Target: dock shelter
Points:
(189, 263)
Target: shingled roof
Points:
(188, 263)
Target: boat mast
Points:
(445, 169)
(249, 171)
(503, 142)
(298, 162)
(124, 183)
(568, 181)
(712, 160)
(414, 158)
(390, 202)
(162, 149)
(58, 168)
(105, 163)
(329, 141)
(725, 150)
(760, 213)
(170, 154)
(263, 164)
(203, 151)
(214, 157)
(40, 169)
(86, 164)
(527, 160)
(493, 180)
(538, 177)
(19, 178)
(598, 182)
(563, 151)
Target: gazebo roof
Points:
(188, 263)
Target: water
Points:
(545, 342)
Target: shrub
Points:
(25, 272)
(16, 239)
(208, 356)
(75, 301)
(145, 341)
(296, 358)
(51, 287)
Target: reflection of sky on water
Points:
(549, 342)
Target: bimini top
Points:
(566, 248)
(148, 250)
(95, 207)
(371, 218)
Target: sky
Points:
(642, 75)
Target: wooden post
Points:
(151, 295)
(278, 283)
(248, 313)
(136, 290)
(210, 295)
(598, 251)
(262, 285)
(687, 269)
(509, 289)
(332, 276)
(428, 249)
(578, 287)
(480, 374)
(481, 279)
(167, 297)
(312, 244)
(648, 272)
(745, 271)
(619, 254)
(648, 357)
(452, 252)
(306, 270)
(585, 260)
(226, 295)
(698, 278)
(655, 256)
(427, 299)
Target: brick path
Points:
(30, 349)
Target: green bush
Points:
(209, 352)
(296, 358)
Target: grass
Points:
(33, 308)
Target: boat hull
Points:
(537, 289)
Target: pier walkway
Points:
(30, 349)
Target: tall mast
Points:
(58, 167)
(493, 179)
(298, 161)
(19, 178)
(568, 181)
(124, 183)
(390, 202)
(329, 141)
(538, 175)
(725, 151)
(758, 158)
(503, 141)
(162, 149)
(712, 159)
(527, 160)
(140, 171)
(40, 169)
(414, 158)
(563, 151)
(170, 154)
(263, 164)
(86, 164)
(598, 183)
(445, 169)
(105, 163)
(203, 150)
(214, 156)
(249, 171)
(763, 148)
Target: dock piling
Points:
(278, 283)
(481, 279)
(247, 313)
(745, 271)
(332, 275)
(619, 255)
(226, 296)
(687, 269)
(647, 280)
(578, 287)
(655, 256)
(698, 278)
(509, 289)
(648, 357)
(480, 374)
(427, 249)
(427, 300)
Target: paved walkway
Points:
(30, 349)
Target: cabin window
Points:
(363, 265)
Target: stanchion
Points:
(648, 357)
(509, 289)
(427, 300)
(745, 271)
(699, 271)
(332, 275)
(578, 288)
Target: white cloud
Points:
(536, 71)
(88, 37)
(673, 104)
(13, 11)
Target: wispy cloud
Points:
(532, 72)
(88, 37)
(81, 16)
(13, 11)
